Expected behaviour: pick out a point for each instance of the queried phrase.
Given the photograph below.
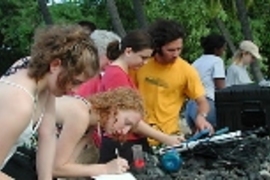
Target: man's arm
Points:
(203, 109)
(219, 74)
(203, 106)
(219, 83)
(195, 90)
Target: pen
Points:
(117, 152)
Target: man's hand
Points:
(201, 123)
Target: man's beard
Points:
(163, 60)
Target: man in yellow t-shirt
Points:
(167, 80)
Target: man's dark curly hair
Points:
(163, 32)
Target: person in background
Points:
(131, 53)
(237, 72)
(101, 38)
(89, 26)
(166, 80)
(62, 57)
(211, 70)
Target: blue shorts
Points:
(191, 112)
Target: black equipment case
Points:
(243, 107)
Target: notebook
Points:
(124, 176)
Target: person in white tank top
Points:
(62, 57)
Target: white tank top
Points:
(25, 136)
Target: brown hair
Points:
(137, 40)
(122, 98)
(71, 44)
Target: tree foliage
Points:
(19, 19)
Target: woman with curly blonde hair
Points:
(61, 58)
(117, 112)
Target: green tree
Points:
(45, 11)
(116, 20)
(139, 13)
(247, 33)
(18, 21)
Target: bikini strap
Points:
(42, 113)
(4, 81)
(81, 98)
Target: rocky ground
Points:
(246, 159)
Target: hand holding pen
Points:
(118, 165)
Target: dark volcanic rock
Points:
(246, 159)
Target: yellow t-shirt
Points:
(164, 89)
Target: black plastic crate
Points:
(243, 107)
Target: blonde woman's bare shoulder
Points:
(17, 96)
(15, 104)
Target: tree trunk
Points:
(45, 12)
(246, 30)
(116, 21)
(226, 34)
(139, 13)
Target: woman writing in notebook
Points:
(61, 57)
(114, 112)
